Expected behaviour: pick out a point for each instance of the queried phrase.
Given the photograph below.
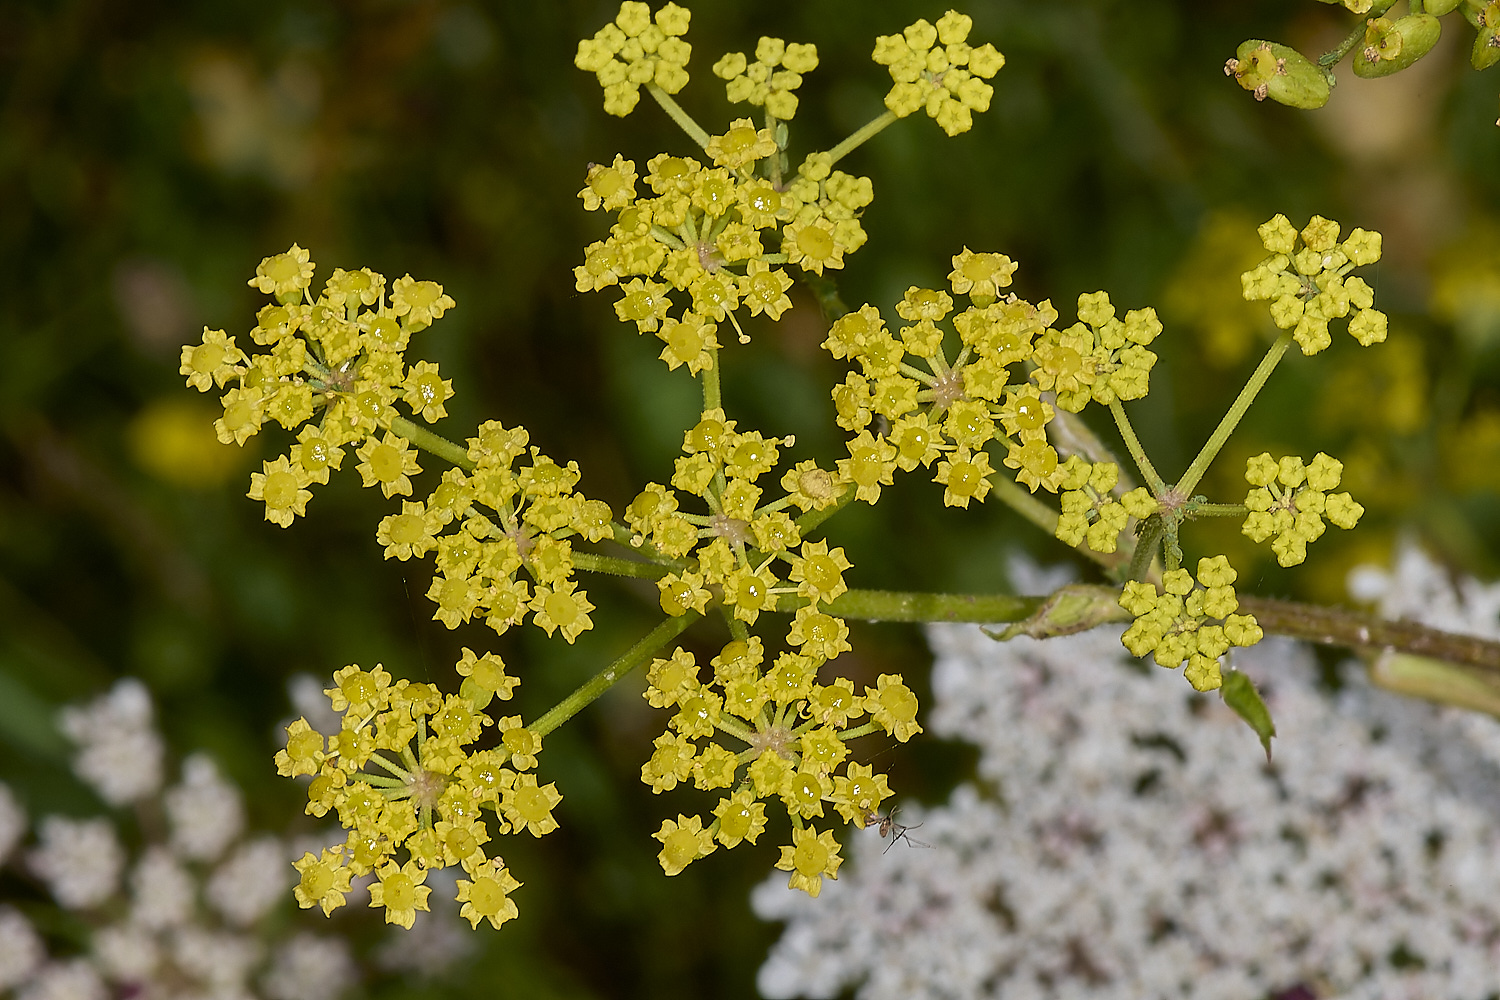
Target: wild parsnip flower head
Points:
(708, 242)
(772, 79)
(1308, 283)
(989, 394)
(636, 50)
(332, 374)
(405, 779)
(1289, 503)
(1189, 624)
(769, 732)
(935, 69)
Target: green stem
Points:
(1133, 443)
(682, 118)
(865, 730)
(428, 441)
(1231, 419)
(712, 399)
(591, 563)
(605, 679)
(869, 131)
(1145, 548)
(1216, 510)
(896, 606)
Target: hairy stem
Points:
(601, 682)
(428, 441)
(614, 566)
(1231, 419)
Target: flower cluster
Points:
(1310, 286)
(1186, 623)
(403, 777)
(789, 738)
(1090, 512)
(771, 80)
(534, 517)
(634, 51)
(970, 399)
(704, 232)
(946, 80)
(339, 357)
(1290, 502)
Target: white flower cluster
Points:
(181, 920)
(1128, 840)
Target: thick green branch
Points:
(898, 606)
(601, 682)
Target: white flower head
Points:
(79, 860)
(21, 949)
(205, 811)
(119, 751)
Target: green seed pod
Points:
(1279, 72)
(1440, 7)
(1487, 46)
(1391, 46)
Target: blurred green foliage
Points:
(151, 154)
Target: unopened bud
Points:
(1391, 46)
(1279, 72)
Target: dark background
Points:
(151, 154)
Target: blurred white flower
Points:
(80, 860)
(206, 811)
(119, 751)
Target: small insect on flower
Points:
(886, 825)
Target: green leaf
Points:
(1239, 694)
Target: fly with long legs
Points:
(886, 825)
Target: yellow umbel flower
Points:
(1188, 624)
(634, 51)
(1308, 283)
(935, 69)
(770, 81)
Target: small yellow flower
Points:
(487, 895)
(284, 275)
(683, 842)
(529, 806)
(213, 362)
(811, 856)
(390, 464)
(401, 892)
(324, 880)
(419, 302)
(281, 485)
